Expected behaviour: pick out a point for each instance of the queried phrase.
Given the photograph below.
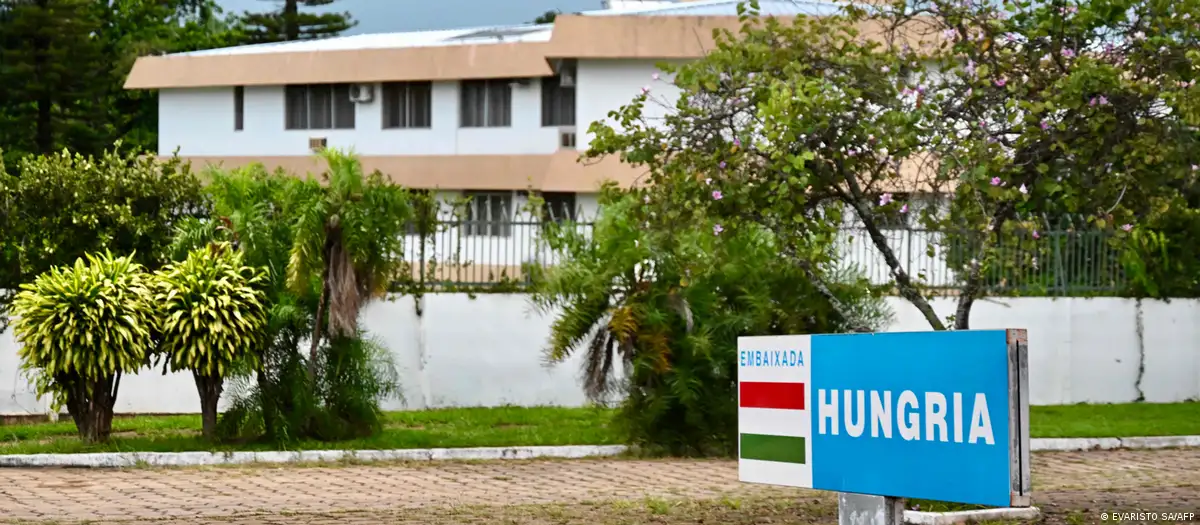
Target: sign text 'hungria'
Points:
(932, 416)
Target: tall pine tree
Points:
(289, 23)
(50, 59)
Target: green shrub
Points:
(63, 206)
(213, 317)
(81, 327)
(668, 307)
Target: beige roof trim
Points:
(573, 36)
(563, 171)
(555, 172)
(454, 62)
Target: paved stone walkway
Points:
(1065, 483)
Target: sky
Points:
(382, 16)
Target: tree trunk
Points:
(265, 393)
(92, 409)
(904, 282)
(43, 131)
(291, 20)
(210, 388)
(322, 300)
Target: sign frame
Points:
(777, 381)
(1020, 470)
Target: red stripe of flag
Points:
(786, 396)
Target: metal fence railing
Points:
(1067, 262)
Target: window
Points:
(489, 213)
(407, 105)
(319, 106)
(486, 103)
(559, 207)
(239, 107)
(558, 101)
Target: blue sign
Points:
(929, 415)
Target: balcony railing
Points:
(490, 253)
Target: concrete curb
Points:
(1129, 443)
(196, 459)
(913, 517)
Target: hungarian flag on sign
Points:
(774, 422)
(776, 396)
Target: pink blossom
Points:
(1092, 102)
(1127, 227)
(717, 195)
(1000, 82)
(1035, 234)
(721, 165)
(904, 209)
(885, 69)
(645, 89)
(885, 199)
(1103, 100)
(1045, 125)
(654, 76)
(708, 181)
(737, 142)
(1068, 52)
(1023, 189)
(717, 229)
(949, 34)
(996, 181)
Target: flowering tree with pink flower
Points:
(994, 113)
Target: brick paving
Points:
(1064, 483)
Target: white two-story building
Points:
(487, 113)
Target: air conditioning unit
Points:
(566, 138)
(362, 93)
(317, 144)
(566, 78)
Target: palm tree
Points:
(348, 241)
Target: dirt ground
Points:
(1072, 488)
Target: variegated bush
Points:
(214, 315)
(81, 327)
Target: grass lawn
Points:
(513, 426)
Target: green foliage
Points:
(667, 308)
(80, 328)
(61, 207)
(1082, 109)
(348, 242)
(356, 373)
(213, 316)
(63, 65)
(290, 23)
(1006, 110)
(212, 309)
(349, 230)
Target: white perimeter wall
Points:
(487, 351)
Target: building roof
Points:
(787, 8)
(521, 32)
(669, 31)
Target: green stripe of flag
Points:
(784, 449)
